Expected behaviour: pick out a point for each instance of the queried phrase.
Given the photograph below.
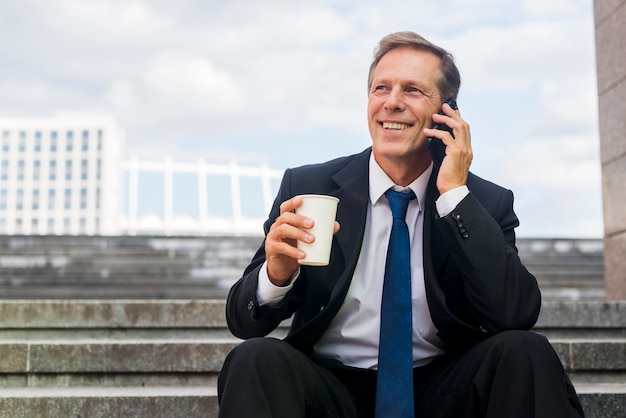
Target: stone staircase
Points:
(134, 326)
(113, 267)
(570, 269)
(160, 358)
(144, 267)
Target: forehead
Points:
(409, 64)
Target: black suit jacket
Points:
(475, 283)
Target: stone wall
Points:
(610, 29)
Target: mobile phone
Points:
(436, 147)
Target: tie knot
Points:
(399, 201)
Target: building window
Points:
(3, 199)
(20, 169)
(19, 201)
(68, 170)
(51, 198)
(98, 168)
(50, 223)
(35, 222)
(6, 137)
(85, 141)
(53, 169)
(66, 225)
(69, 141)
(38, 141)
(35, 199)
(4, 174)
(22, 142)
(68, 199)
(99, 139)
(98, 198)
(36, 169)
(83, 198)
(83, 169)
(53, 141)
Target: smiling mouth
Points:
(394, 126)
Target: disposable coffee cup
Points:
(322, 210)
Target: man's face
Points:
(402, 100)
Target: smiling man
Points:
(425, 306)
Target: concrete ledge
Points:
(114, 357)
(209, 313)
(592, 355)
(172, 402)
(582, 314)
(207, 356)
(600, 401)
(109, 402)
(18, 314)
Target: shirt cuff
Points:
(267, 293)
(450, 199)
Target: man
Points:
(472, 302)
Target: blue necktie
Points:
(394, 388)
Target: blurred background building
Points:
(65, 175)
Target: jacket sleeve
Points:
(501, 294)
(245, 317)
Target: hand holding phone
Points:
(436, 147)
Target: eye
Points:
(414, 90)
(379, 89)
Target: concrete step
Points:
(112, 337)
(115, 356)
(153, 402)
(599, 401)
(71, 360)
(69, 267)
(112, 293)
(603, 400)
(572, 318)
(160, 358)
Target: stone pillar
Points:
(610, 29)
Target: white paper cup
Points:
(322, 210)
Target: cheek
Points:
(373, 106)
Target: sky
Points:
(285, 83)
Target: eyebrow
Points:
(422, 86)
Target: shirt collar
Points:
(380, 183)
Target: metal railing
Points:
(199, 220)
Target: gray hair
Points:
(449, 80)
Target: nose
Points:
(395, 102)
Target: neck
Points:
(403, 171)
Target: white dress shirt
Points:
(353, 335)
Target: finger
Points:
(449, 111)
(290, 227)
(290, 205)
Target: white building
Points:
(65, 175)
(54, 173)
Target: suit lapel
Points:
(353, 194)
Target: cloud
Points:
(244, 77)
(568, 163)
(515, 57)
(181, 83)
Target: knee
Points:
(252, 352)
(520, 345)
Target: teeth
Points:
(395, 126)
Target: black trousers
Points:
(514, 374)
